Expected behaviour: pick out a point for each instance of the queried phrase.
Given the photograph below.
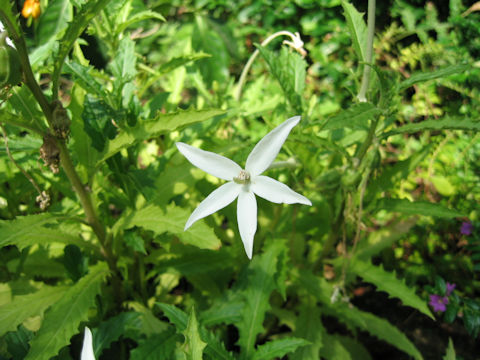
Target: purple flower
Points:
(450, 288)
(466, 228)
(438, 303)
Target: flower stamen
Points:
(242, 178)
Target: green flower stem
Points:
(369, 51)
(28, 76)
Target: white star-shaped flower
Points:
(244, 184)
(87, 349)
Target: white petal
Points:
(217, 200)
(275, 191)
(247, 219)
(214, 164)
(268, 148)
(87, 349)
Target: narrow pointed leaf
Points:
(194, 345)
(62, 320)
(278, 348)
(161, 124)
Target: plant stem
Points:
(295, 41)
(369, 51)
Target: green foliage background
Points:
(114, 84)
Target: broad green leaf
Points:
(443, 185)
(156, 347)
(195, 262)
(425, 76)
(161, 124)
(54, 20)
(20, 121)
(62, 320)
(335, 349)
(24, 306)
(81, 20)
(358, 29)
(171, 219)
(194, 345)
(388, 282)
(289, 70)
(309, 327)
(417, 208)
(83, 148)
(356, 117)
(223, 311)
(22, 100)
(84, 78)
(112, 329)
(123, 65)
(446, 123)
(261, 272)
(356, 349)
(32, 229)
(450, 354)
(276, 349)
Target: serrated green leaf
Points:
(156, 347)
(81, 20)
(223, 311)
(83, 77)
(35, 229)
(112, 329)
(446, 123)
(20, 121)
(262, 270)
(358, 29)
(276, 349)
(450, 354)
(24, 306)
(62, 320)
(161, 124)
(194, 345)
(425, 76)
(6, 10)
(335, 349)
(17, 342)
(23, 102)
(289, 70)
(417, 208)
(140, 16)
(123, 65)
(386, 281)
(355, 117)
(54, 20)
(195, 261)
(215, 349)
(309, 326)
(356, 349)
(376, 326)
(171, 219)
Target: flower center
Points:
(242, 178)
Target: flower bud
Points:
(31, 8)
(61, 121)
(50, 153)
